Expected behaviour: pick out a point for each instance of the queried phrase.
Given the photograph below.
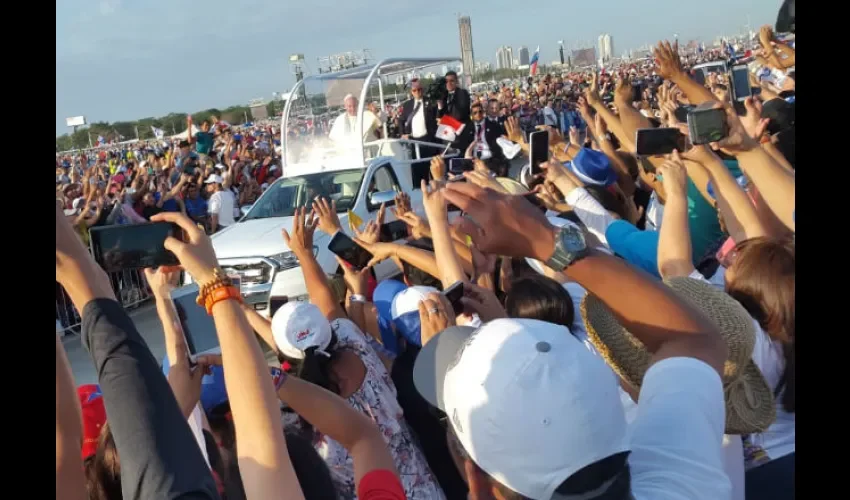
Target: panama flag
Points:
(448, 128)
(532, 66)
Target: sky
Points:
(125, 60)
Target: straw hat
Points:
(749, 401)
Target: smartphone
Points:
(454, 294)
(393, 231)
(637, 95)
(707, 125)
(198, 326)
(348, 250)
(276, 303)
(658, 141)
(458, 166)
(740, 77)
(133, 246)
(539, 149)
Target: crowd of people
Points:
(624, 326)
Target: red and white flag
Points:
(448, 128)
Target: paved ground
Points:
(146, 321)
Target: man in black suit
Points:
(484, 131)
(455, 104)
(418, 120)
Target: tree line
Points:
(170, 124)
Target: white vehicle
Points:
(359, 176)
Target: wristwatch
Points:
(570, 246)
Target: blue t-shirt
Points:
(196, 207)
(169, 205)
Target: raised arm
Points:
(451, 270)
(159, 457)
(301, 244)
(264, 463)
(332, 416)
(674, 241)
(742, 219)
(667, 325)
(70, 480)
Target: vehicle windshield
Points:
(288, 194)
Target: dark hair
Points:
(416, 276)
(608, 200)
(763, 281)
(103, 469)
(630, 161)
(542, 298)
(310, 469)
(451, 73)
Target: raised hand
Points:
(667, 58)
(503, 224)
(328, 221)
(303, 227)
(438, 167)
(194, 251)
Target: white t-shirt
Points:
(590, 212)
(677, 436)
(222, 203)
(780, 438)
(654, 213)
(732, 448)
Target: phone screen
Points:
(458, 166)
(539, 146)
(348, 250)
(454, 294)
(198, 326)
(659, 141)
(741, 83)
(276, 303)
(133, 246)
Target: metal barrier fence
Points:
(130, 288)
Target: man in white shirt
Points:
(344, 130)
(221, 204)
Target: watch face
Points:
(573, 239)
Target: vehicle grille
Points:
(256, 273)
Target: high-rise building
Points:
(464, 25)
(504, 58)
(523, 56)
(606, 47)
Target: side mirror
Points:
(245, 209)
(377, 198)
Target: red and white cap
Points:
(298, 326)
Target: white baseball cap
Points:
(408, 300)
(298, 326)
(529, 403)
(213, 178)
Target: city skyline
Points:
(118, 60)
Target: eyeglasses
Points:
(416, 90)
(451, 80)
(477, 110)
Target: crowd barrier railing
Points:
(130, 288)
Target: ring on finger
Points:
(433, 310)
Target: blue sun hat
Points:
(593, 167)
